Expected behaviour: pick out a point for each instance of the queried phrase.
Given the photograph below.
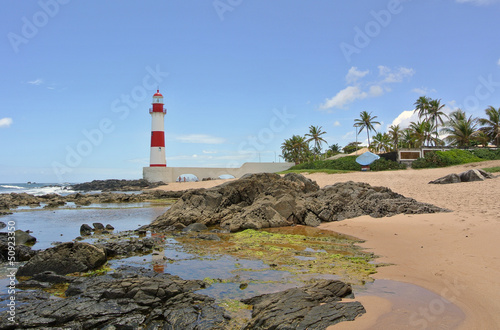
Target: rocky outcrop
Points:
(13, 200)
(467, 176)
(116, 185)
(22, 252)
(128, 299)
(269, 200)
(64, 259)
(315, 306)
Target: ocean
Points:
(36, 189)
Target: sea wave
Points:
(10, 187)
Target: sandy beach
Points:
(454, 255)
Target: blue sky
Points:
(238, 77)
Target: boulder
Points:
(195, 227)
(315, 306)
(23, 237)
(2, 224)
(109, 227)
(85, 230)
(98, 226)
(269, 200)
(467, 176)
(64, 259)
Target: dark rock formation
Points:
(13, 200)
(23, 237)
(2, 224)
(116, 185)
(127, 300)
(314, 306)
(467, 176)
(269, 200)
(109, 227)
(98, 226)
(64, 259)
(22, 252)
(130, 246)
(85, 230)
(195, 227)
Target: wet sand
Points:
(455, 254)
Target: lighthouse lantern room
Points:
(157, 155)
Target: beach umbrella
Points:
(367, 158)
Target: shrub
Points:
(348, 163)
(445, 158)
(489, 154)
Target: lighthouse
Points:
(157, 155)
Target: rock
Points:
(471, 175)
(208, 237)
(467, 176)
(315, 306)
(268, 200)
(51, 277)
(195, 227)
(22, 252)
(2, 224)
(64, 259)
(138, 299)
(109, 227)
(85, 230)
(98, 226)
(23, 237)
(116, 185)
(450, 178)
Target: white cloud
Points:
(479, 2)
(358, 90)
(345, 96)
(347, 135)
(423, 90)
(336, 123)
(200, 138)
(5, 122)
(498, 62)
(354, 75)
(404, 119)
(209, 152)
(36, 82)
(394, 76)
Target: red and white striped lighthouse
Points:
(157, 156)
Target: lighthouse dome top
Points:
(157, 97)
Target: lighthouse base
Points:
(170, 174)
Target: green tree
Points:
(295, 149)
(395, 133)
(351, 147)
(460, 129)
(381, 142)
(422, 107)
(491, 124)
(366, 121)
(421, 132)
(436, 115)
(314, 135)
(333, 150)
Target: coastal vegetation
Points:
(434, 128)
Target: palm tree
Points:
(435, 114)
(366, 120)
(395, 134)
(422, 106)
(315, 135)
(491, 125)
(381, 142)
(460, 129)
(407, 138)
(421, 132)
(295, 149)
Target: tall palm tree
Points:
(421, 132)
(381, 142)
(422, 107)
(314, 134)
(395, 134)
(295, 149)
(460, 129)
(491, 125)
(436, 114)
(366, 120)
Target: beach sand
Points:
(455, 255)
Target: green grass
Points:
(492, 169)
(324, 170)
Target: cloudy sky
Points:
(238, 77)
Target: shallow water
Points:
(231, 278)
